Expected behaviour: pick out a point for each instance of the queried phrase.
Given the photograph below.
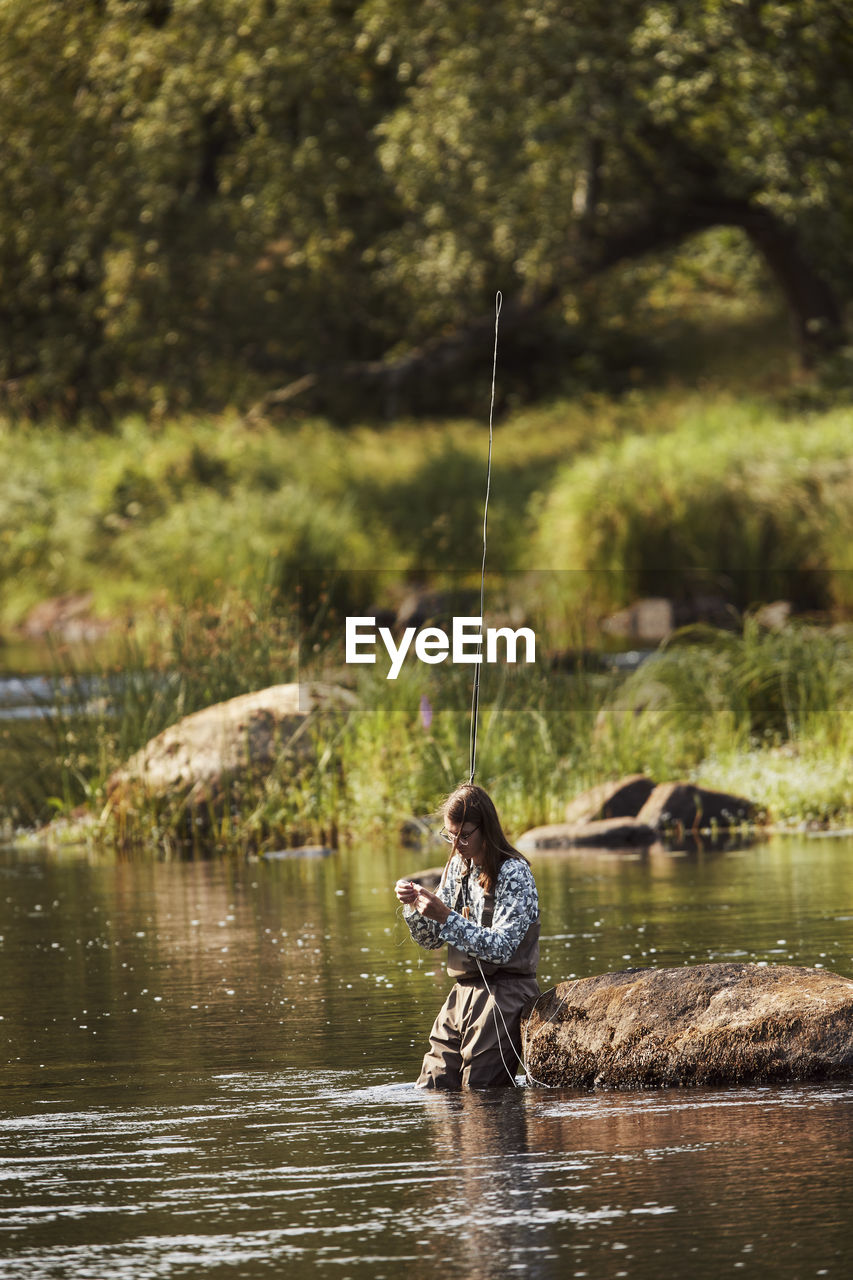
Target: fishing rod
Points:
(475, 693)
(475, 704)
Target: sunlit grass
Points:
(734, 500)
(765, 715)
(649, 491)
(802, 783)
(200, 534)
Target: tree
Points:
(200, 199)
(188, 190)
(542, 144)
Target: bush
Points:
(733, 502)
(760, 688)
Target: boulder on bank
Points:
(607, 833)
(622, 799)
(683, 804)
(708, 1024)
(633, 813)
(198, 757)
(645, 621)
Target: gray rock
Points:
(622, 799)
(199, 756)
(708, 1024)
(417, 832)
(774, 616)
(674, 804)
(608, 833)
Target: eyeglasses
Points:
(460, 841)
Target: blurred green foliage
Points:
(183, 188)
(651, 493)
(204, 199)
(737, 501)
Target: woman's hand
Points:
(406, 892)
(425, 903)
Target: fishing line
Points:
(496, 1009)
(527, 1039)
(475, 713)
(475, 693)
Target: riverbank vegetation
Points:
(249, 257)
(759, 712)
(734, 498)
(661, 492)
(220, 558)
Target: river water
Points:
(208, 1073)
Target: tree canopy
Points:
(201, 200)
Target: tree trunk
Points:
(815, 312)
(432, 361)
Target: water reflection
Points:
(489, 1190)
(758, 1172)
(208, 1072)
(255, 1173)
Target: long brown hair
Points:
(470, 803)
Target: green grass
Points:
(146, 518)
(649, 493)
(159, 514)
(196, 535)
(734, 500)
(765, 714)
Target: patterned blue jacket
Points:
(500, 925)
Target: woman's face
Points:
(467, 840)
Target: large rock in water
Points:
(618, 834)
(197, 758)
(622, 799)
(684, 804)
(707, 1024)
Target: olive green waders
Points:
(475, 1041)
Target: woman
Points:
(487, 911)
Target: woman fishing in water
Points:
(487, 911)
